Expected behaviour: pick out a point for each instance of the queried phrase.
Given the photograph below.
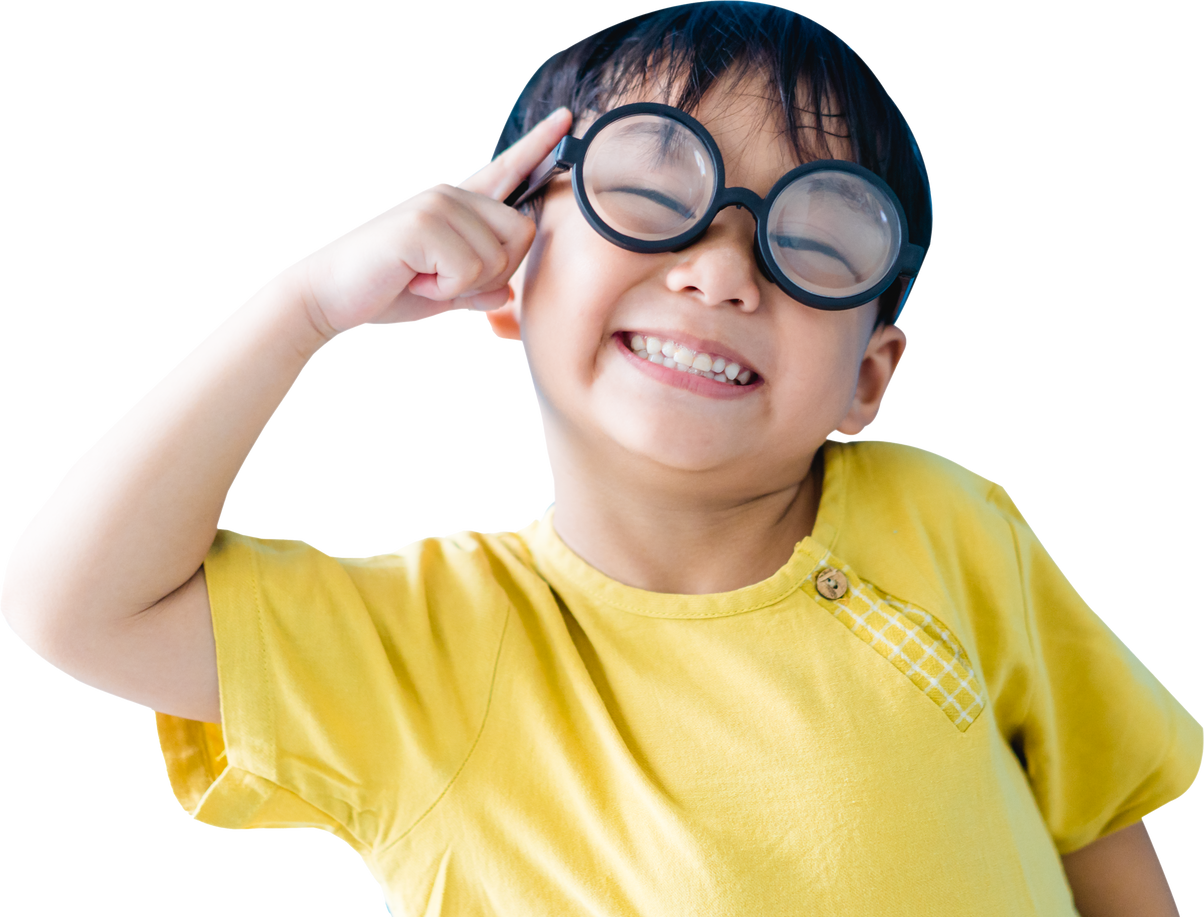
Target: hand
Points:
(447, 248)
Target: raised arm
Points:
(107, 582)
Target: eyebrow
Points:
(673, 137)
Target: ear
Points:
(882, 355)
(504, 320)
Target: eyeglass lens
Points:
(833, 233)
(651, 178)
(648, 177)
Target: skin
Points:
(659, 487)
(1119, 874)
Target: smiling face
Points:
(772, 378)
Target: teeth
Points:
(678, 357)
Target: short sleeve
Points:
(1102, 741)
(351, 690)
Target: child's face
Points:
(582, 299)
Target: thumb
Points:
(487, 302)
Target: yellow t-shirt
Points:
(500, 729)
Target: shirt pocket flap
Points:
(915, 642)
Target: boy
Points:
(720, 648)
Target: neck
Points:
(673, 535)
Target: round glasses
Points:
(649, 178)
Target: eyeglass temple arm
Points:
(561, 160)
(910, 259)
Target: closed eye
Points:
(656, 197)
(803, 244)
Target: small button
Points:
(831, 583)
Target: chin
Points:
(675, 449)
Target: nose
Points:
(721, 266)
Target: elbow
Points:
(28, 618)
(34, 613)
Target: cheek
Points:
(565, 292)
(574, 279)
(821, 372)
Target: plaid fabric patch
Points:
(912, 640)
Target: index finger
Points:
(507, 172)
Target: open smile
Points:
(679, 364)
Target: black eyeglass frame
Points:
(569, 155)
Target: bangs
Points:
(679, 67)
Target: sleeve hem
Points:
(1180, 765)
(227, 775)
(1185, 811)
(194, 754)
(217, 793)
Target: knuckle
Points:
(526, 229)
(422, 199)
(474, 267)
(500, 262)
(433, 200)
(424, 220)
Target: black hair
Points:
(823, 88)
